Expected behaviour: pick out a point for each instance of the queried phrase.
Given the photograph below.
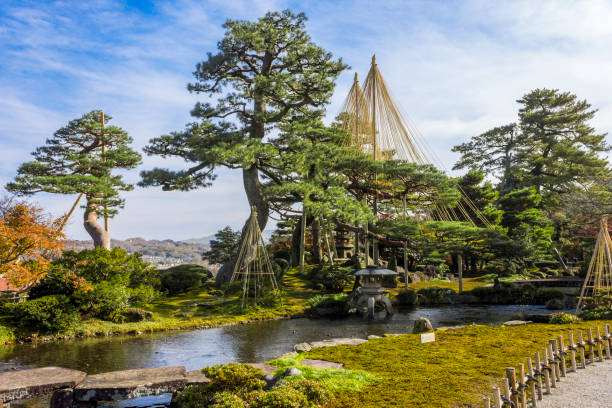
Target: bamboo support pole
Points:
(607, 341)
(581, 347)
(67, 216)
(572, 348)
(562, 354)
(591, 343)
(548, 373)
(598, 339)
(506, 387)
(486, 402)
(533, 383)
(553, 362)
(497, 401)
(511, 374)
(522, 386)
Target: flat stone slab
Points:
(516, 322)
(20, 384)
(337, 342)
(196, 377)
(266, 368)
(321, 364)
(119, 385)
(428, 337)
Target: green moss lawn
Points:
(461, 366)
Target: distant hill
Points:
(202, 240)
(164, 253)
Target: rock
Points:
(337, 342)
(516, 322)
(62, 398)
(270, 380)
(128, 384)
(555, 304)
(422, 325)
(302, 347)
(136, 315)
(196, 377)
(25, 384)
(292, 371)
(321, 364)
(373, 336)
(266, 368)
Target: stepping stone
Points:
(20, 384)
(196, 377)
(120, 385)
(321, 364)
(515, 323)
(266, 368)
(337, 342)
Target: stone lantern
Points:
(371, 292)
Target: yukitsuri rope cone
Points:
(598, 282)
(378, 127)
(543, 374)
(253, 266)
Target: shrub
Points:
(329, 305)
(563, 318)
(183, 278)
(105, 301)
(233, 376)
(193, 396)
(142, 295)
(543, 295)
(504, 294)
(406, 297)
(227, 399)
(434, 295)
(278, 397)
(48, 314)
(312, 390)
(332, 278)
(597, 313)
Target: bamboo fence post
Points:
(532, 383)
(598, 339)
(582, 347)
(506, 389)
(497, 401)
(554, 369)
(607, 340)
(522, 385)
(591, 348)
(486, 402)
(572, 349)
(562, 354)
(544, 368)
(511, 374)
(549, 367)
(554, 353)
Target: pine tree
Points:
(80, 158)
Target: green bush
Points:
(142, 295)
(333, 279)
(48, 314)
(278, 397)
(505, 293)
(105, 301)
(597, 313)
(183, 278)
(227, 399)
(233, 376)
(563, 318)
(329, 305)
(434, 295)
(312, 390)
(406, 297)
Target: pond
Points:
(255, 342)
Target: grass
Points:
(468, 284)
(460, 367)
(335, 380)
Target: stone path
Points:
(21, 384)
(590, 388)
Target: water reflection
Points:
(254, 342)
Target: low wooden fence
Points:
(539, 376)
(13, 297)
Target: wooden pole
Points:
(607, 340)
(405, 246)
(506, 386)
(572, 348)
(302, 237)
(522, 385)
(497, 401)
(374, 147)
(104, 160)
(67, 216)
(561, 352)
(591, 348)
(486, 402)
(511, 374)
(460, 271)
(553, 365)
(599, 341)
(581, 347)
(532, 384)
(548, 379)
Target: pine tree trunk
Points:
(101, 238)
(316, 241)
(254, 192)
(295, 243)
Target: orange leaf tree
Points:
(29, 240)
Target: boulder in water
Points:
(555, 304)
(422, 325)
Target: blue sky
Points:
(455, 67)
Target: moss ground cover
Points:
(461, 366)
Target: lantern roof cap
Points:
(373, 270)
